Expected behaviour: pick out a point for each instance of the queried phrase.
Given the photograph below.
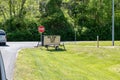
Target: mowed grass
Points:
(80, 61)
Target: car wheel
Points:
(4, 44)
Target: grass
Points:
(81, 61)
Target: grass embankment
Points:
(78, 62)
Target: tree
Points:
(55, 21)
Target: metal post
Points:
(97, 41)
(75, 36)
(75, 29)
(41, 39)
(112, 22)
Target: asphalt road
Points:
(9, 54)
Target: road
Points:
(9, 54)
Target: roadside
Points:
(9, 55)
(75, 63)
(10, 52)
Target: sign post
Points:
(41, 29)
(75, 29)
(113, 22)
(97, 41)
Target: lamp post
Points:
(112, 22)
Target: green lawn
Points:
(81, 61)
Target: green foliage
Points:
(21, 30)
(93, 15)
(60, 17)
(55, 21)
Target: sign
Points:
(41, 29)
(51, 40)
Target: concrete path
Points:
(9, 54)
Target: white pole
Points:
(112, 22)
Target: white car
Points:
(2, 37)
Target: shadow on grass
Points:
(58, 50)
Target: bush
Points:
(21, 30)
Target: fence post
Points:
(97, 41)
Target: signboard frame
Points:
(51, 40)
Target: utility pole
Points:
(112, 22)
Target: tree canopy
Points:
(21, 18)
